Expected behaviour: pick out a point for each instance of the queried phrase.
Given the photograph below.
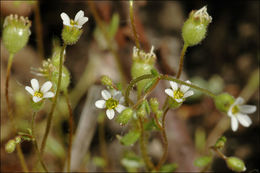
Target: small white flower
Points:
(238, 113)
(40, 93)
(179, 93)
(112, 101)
(78, 21)
(203, 14)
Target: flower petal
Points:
(101, 104)
(174, 85)
(48, 95)
(105, 94)
(234, 123)
(36, 99)
(46, 86)
(244, 120)
(110, 114)
(179, 100)
(169, 92)
(65, 18)
(188, 94)
(30, 90)
(185, 88)
(82, 21)
(120, 108)
(79, 15)
(239, 101)
(247, 109)
(35, 84)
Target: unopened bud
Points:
(220, 142)
(125, 116)
(224, 101)
(154, 104)
(236, 164)
(106, 80)
(10, 146)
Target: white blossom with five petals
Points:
(39, 93)
(112, 101)
(179, 93)
(238, 113)
(78, 21)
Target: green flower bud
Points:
(159, 113)
(235, 164)
(223, 101)
(125, 116)
(106, 80)
(16, 32)
(154, 104)
(141, 112)
(195, 27)
(220, 142)
(10, 146)
(143, 63)
(70, 35)
(18, 139)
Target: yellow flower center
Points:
(111, 103)
(72, 22)
(177, 94)
(235, 110)
(38, 94)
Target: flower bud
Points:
(125, 116)
(235, 164)
(154, 104)
(159, 113)
(223, 101)
(143, 63)
(18, 139)
(106, 80)
(70, 35)
(220, 142)
(195, 27)
(10, 146)
(16, 32)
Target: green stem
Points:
(131, 13)
(36, 144)
(9, 112)
(185, 46)
(221, 155)
(71, 127)
(48, 126)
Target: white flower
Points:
(238, 113)
(203, 14)
(179, 93)
(78, 21)
(40, 93)
(112, 101)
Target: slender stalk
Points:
(157, 122)
(221, 155)
(165, 141)
(36, 144)
(9, 112)
(38, 26)
(48, 126)
(185, 46)
(71, 127)
(108, 40)
(149, 165)
(131, 13)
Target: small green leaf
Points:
(113, 27)
(149, 84)
(169, 167)
(130, 138)
(202, 161)
(150, 125)
(155, 72)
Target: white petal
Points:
(239, 101)
(244, 120)
(82, 21)
(169, 92)
(179, 100)
(35, 84)
(46, 86)
(117, 95)
(174, 85)
(185, 88)
(65, 18)
(120, 108)
(79, 15)
(105, 94)
(234, 123)
(247, 109)
(36, 99)
(48, 95)
(188, 94)
(230, 114)
(110, 114)
(30, 90)
(101, 104)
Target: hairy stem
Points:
(48, 126)
(185, 46)
(36, 144)
(131, 13)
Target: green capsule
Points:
(223, 101)
(10, 146)
(236, 164)
(70, 35)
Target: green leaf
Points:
(150, 125)
(149, 84)
(113, 27)
(130, 138)
(155, 72)
(202, 161)
(169, 167)
(99, 161)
